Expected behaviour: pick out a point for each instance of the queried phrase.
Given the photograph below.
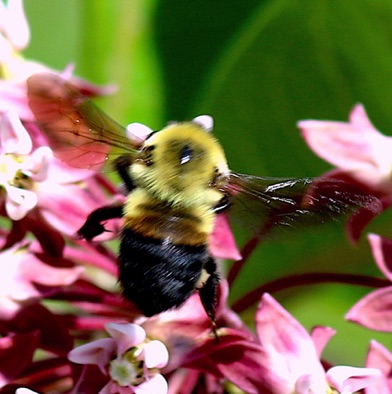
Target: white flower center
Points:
(123, 372)
(17, 182)
(10, 170)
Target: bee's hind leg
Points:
(208, 291)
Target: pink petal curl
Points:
(382, 253)
(98, 353)
(374, 310)
(348, 380)
(126, 335)
(381, 358)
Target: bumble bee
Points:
(177, 181)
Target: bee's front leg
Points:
(93, 225)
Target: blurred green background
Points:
(258, 67)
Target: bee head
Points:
(180, 163)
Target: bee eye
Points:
(186, 154)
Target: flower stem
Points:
(245, 253)
(47, 373)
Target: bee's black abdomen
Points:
(157, 275)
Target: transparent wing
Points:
(261, 204)
(79, 133)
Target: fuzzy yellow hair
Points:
(184, 183)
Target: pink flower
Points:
(293, 356)
(374, 310)
(21, 275)
(19, 166)
(379, 357)
(356, 147)
(31, 177)
(128, 360)
(14, 37)
(187, 331)
(361, 154)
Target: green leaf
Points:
(189, 37)
(296, 60)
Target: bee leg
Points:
(93, 225)
(208, 292)
(121, 165)
(223, 205)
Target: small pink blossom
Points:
(361, 154)
(129, 361)
(14, 37)
(31, 177)
(356, 147)
(293, 358)
(19, 166)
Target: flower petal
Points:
(14, 138)
(374, 310)
(382, 253)
(98, 352)
(38, 272)
(356, 147)
(221, 242)
(36, 166)
(349, 380)
(138, 132)
(157, 385)
(19, 202)
(321, 336)
(309, 384)
(126, 335)
(359, 117)
(341, 144)
(15, 25)
(155, 354)
(13, 97)
(248, 365)
(279, 332)
(205, 121)
(380, 357)
(289, 346)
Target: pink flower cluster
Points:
(361, 153)
(65, 327)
